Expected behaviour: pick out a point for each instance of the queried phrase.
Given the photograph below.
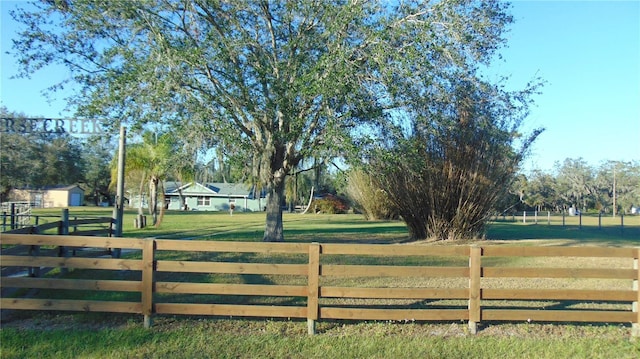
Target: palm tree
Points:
(151, 161)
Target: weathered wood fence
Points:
(332, 281)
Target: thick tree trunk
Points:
(273, 231)
(183, 200)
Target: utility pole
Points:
(614, 191)
(118, 210)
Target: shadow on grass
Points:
(333, 232)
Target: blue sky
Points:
(588, 52)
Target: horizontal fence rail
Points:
(94, 226)
(326, 281)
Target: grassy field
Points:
(80, 335)
(353, 228)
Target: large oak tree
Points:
(280, 81)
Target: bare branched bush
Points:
(446, 177)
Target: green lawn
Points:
(81, 335)
(608, 233)
(353, 228)
(223, 338)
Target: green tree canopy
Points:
(576, 183)
(541, 191)
(97, 153)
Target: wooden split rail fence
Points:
(95, 226)
(333, 281)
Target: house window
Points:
(204, 201)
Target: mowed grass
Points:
(224, 338)
(354, 228)
(241, 226)
(94, 335)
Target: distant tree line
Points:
(575, 183)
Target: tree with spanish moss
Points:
(281, 80)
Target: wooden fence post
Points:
(63, 230)
(600, 220)
(148, 270)
(13, 216)
(580, 221)
(34, 250)
(635, 327)
(64, 222)
(475, 273)
(313, 281)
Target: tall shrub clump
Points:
(446, 174)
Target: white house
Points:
(213, 197)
